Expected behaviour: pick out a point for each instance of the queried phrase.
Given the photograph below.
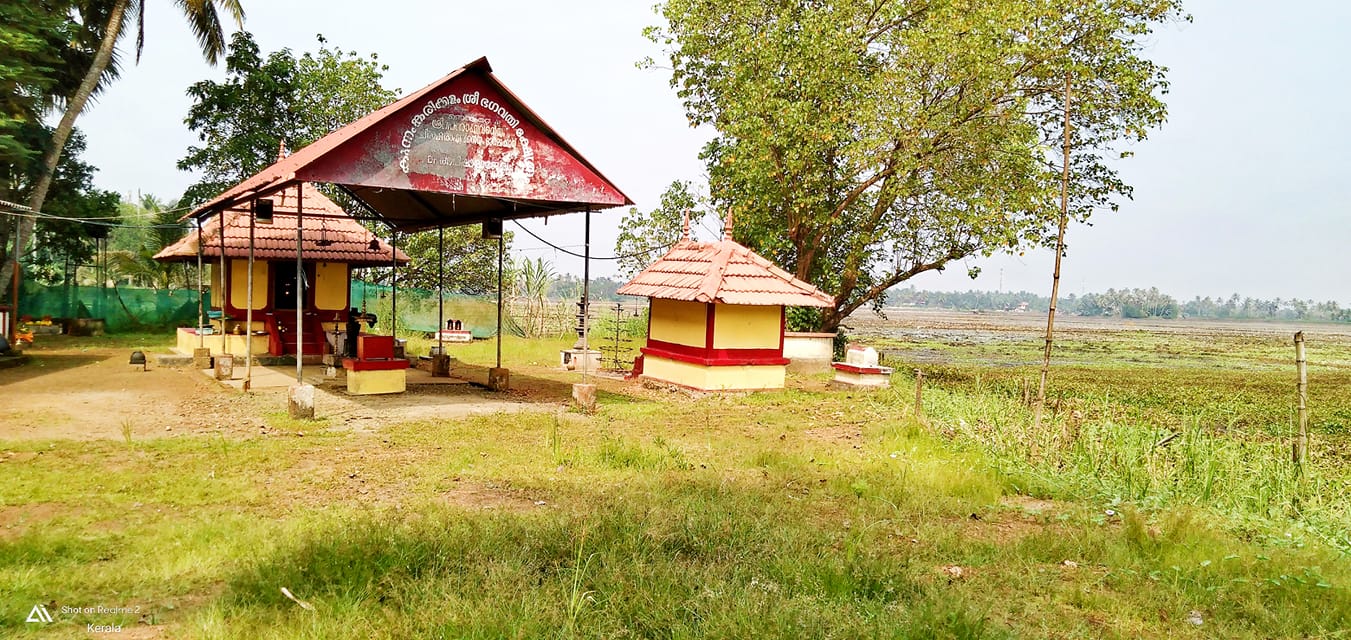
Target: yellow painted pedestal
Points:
(710, 378)
(365, 383)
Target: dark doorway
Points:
(284, 284)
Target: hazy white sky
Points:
(1242, 191)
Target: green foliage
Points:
(468, 265)
(45, 46)
(149, 226)
(862, 143)
(267, 100)
(61, 239)
(645, 236)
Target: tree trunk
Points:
(73, 108)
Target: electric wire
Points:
(574, 254)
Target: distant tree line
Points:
(1128, 303)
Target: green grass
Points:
(802, 513)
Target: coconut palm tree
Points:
(203, 17)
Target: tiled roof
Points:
(725, 272)
(330, 234)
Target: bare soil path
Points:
(71, 391)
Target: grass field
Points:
(808, 513)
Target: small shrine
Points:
(717, 315)
(333, 244)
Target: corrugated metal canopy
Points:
(460, 151)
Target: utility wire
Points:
(579, 255)
(23, 211)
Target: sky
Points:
(1241, 191)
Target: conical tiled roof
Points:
(725, 272)
(330, 235)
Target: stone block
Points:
(300, 401)
(441, 366)
(499, 378)
(225, 366)
(585, 395)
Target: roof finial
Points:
(281, 150)
(727, 226)
(686, 235)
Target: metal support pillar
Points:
(300, 284)
(499, 299)
(440, 290)
(248, 315)
(394, 284)
(201, 297)
(586, 298)
(224, 290)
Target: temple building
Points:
(333, 244)
(717, 315)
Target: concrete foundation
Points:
(225, 367)
(585, 395)
(714, 378)
(578, 360)
(201, 358)
(441, 366)
(809, 352)
(499, 379)
(300, 401)
(857, 376)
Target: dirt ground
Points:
(91, 393)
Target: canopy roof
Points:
(724, 272)
(462, 150)
(331, 235)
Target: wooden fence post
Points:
(1301, 448)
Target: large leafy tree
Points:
(644, 236)
(45, 48)
(110, 20)
(62, 238)
(267, 99)
(862, 142)
(467, 266)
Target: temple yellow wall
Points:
(217, 343)
(746, 327)
(679, 322)
(708, 378)
(330, 286)
(239, 284)
(215, 286)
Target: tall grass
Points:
(1197, 460)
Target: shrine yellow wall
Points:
(706, 378)
(747, 327)
(239, 284)
(330, 286)
(679, 322)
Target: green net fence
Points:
(129, 309)
(123, 309)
